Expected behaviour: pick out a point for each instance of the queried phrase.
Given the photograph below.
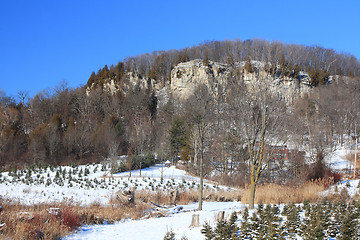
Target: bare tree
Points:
(258, 118)
(200, 114)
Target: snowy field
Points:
(155, 228)
(93, 184)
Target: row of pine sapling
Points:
(320, 220)
(79, 176)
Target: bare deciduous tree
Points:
(258, 118)
(200, 112)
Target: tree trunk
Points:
(140, 168)
(252, 188)
(201, 184)
(308, 124)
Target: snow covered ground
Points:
(155, 228)
(337, 160)
(87, 184)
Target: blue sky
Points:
(45, 42)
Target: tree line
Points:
(318, 61)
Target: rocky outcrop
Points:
(186, 76)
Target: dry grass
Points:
(351, 157)
(274, 193)
(23, 222)
(163, 198)
(19, 226)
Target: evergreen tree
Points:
(255, 226)
(207, 231)
(347, 228)
(313, 228)
(170, 235)
(91, 80)
(119, 71)
(234, 229)
(178, 135)
(292, 224)
(245, 230)
(318, 77)
(152, 105)
(222, 231)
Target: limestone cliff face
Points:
(186, 76)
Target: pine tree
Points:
(170, 235)
(221, 231)
(313, 228)
(226, 230)
(255, 226)
(207, 231)
(324, 215)
(178, 135)
(119, 71)
(292, 224)
(347, 228)
(91, 80)
(245, 230)
(232, 225)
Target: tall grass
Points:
(23, 222)
(275, 193)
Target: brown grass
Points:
(275, 193)
(163, 198)
(73, 215)
(23, 221)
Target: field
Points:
(85, 198)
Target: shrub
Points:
(169, 235)
(70, 218)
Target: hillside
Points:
(154, 103)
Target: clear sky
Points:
(45, 42)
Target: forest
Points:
(67, 125)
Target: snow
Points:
(155, 172)
(336, 160)
(96, 187)
(156, 228)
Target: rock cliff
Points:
(187, 75)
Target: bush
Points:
(144, 161)
(170, 235)
(70, 218)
